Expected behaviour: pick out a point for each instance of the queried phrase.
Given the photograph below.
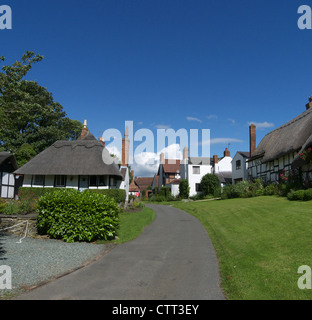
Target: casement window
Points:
(97, 181)
(196, 169)
(238, 164)
(93, 182)
(198, 187)
(38, 180)
(112, 182)
(7, 183)
(60, 181)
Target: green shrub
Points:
(307, 196)
(77, 216)
(12, 207)
(119, 195)
(295, 195)
(230, 192)
(2, 205)
(301, 195)
(184, 189)
(209, 184)
(271, 190)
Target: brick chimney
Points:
(215, 159)
(227, 152)
(309, 105)
(185, 153)
(162, 158)
(125, 149)
(252, 139)
(84, 130)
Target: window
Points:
(38, 180)
(97, 181)
(112, 182)
(196, 169)
(101, 181)
(7, 182)
(93, 182)
(60, 181)
(198, 187)
(238, 164)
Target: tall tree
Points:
(28, 113)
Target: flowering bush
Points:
(306, 155)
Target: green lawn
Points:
(132, 224)
(260, 244)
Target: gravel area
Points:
(37, 260)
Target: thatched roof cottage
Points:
(81, 164)
(279, 150)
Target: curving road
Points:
(172, 259)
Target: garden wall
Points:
(7, 221)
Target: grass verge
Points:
(132, 224)
(260, 244)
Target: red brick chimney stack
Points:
(162, 158)
(252, 139)
(215, 159)
(185, 153)
(227, 152)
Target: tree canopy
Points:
(30, 118)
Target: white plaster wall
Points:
(196, 178)
(224, 165)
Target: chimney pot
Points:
(227, 152)
(309, 105)
(102, 141)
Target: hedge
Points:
(301, 195)
(26, 193)
(72, 215)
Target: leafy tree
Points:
(209, 184)
(29, 115)
(184, 189)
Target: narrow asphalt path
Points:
(172, 259)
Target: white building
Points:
(81, 164)
(193, 169)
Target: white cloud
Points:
(212, 116)
(146, 163)
(193, 119)
(232, 121)
(262, 125)
(162, 126)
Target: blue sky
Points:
(199, 64)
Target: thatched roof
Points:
(290, 137)
(7, 156)
(81, 157)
